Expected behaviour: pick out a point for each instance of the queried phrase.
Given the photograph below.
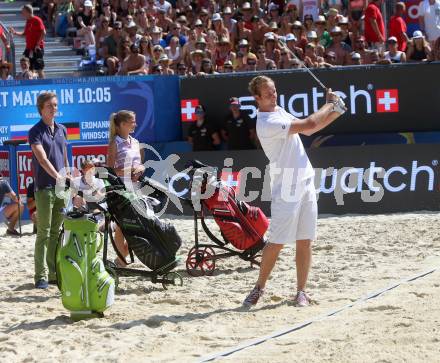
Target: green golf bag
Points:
(87, 289)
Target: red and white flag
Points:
(189, 109)
(231, 179)
(387, 100)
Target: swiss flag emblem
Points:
(189, 109)
(387, 100)
(231, 179)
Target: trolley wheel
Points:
(110, 268)
(200, 261)
(172, 278)
(254, 262)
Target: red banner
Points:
(25, 176)
(412, 11)
(88, 152)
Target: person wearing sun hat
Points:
(418, 49)
(223, 53)
(341, 49)
(165, 63)
(196, 60)
(84, 23)
(228, 67)
(356, 59)
(246, 10)
(218, 26)
(244, 50)
(241, 32)
(394, 55)
(229, 22)
(156, 36)
(332, 18)
(324, 37)
(343, 23)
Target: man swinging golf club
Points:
(293, 196)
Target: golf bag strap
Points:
(112, 240)
(208, 232)
(131, 254)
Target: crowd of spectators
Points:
(205, 36)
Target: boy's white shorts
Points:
(294, 220)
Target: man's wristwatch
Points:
(338, 106)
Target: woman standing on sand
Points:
(124, 156)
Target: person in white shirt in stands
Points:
(429, 19)
(164, 5)
(394, 55)
(293, 195)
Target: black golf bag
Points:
(153, 241)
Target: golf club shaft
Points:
(302, 64)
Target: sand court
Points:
(353, 256)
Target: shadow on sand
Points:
(157, 320)
(43, 324)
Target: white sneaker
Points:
(302, 299)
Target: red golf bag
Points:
(240, 224)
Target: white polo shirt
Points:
(289, 163)
(431, 15)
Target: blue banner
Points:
(85, 105)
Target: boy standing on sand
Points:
(293, 217)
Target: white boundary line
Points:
(299, 326)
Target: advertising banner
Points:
(352, 179)
(412, 16)
(80, 153)
(379, 99)
(358, 179)
(25, 176)
(85, 106)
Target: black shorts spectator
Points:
(36, 59)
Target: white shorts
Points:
(294, 220)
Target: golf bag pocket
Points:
(101, 286)
(71, 279)
(154, 257)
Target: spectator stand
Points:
(60, 59)
(203, 38)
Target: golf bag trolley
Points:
(242, 226)
(152, 241)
